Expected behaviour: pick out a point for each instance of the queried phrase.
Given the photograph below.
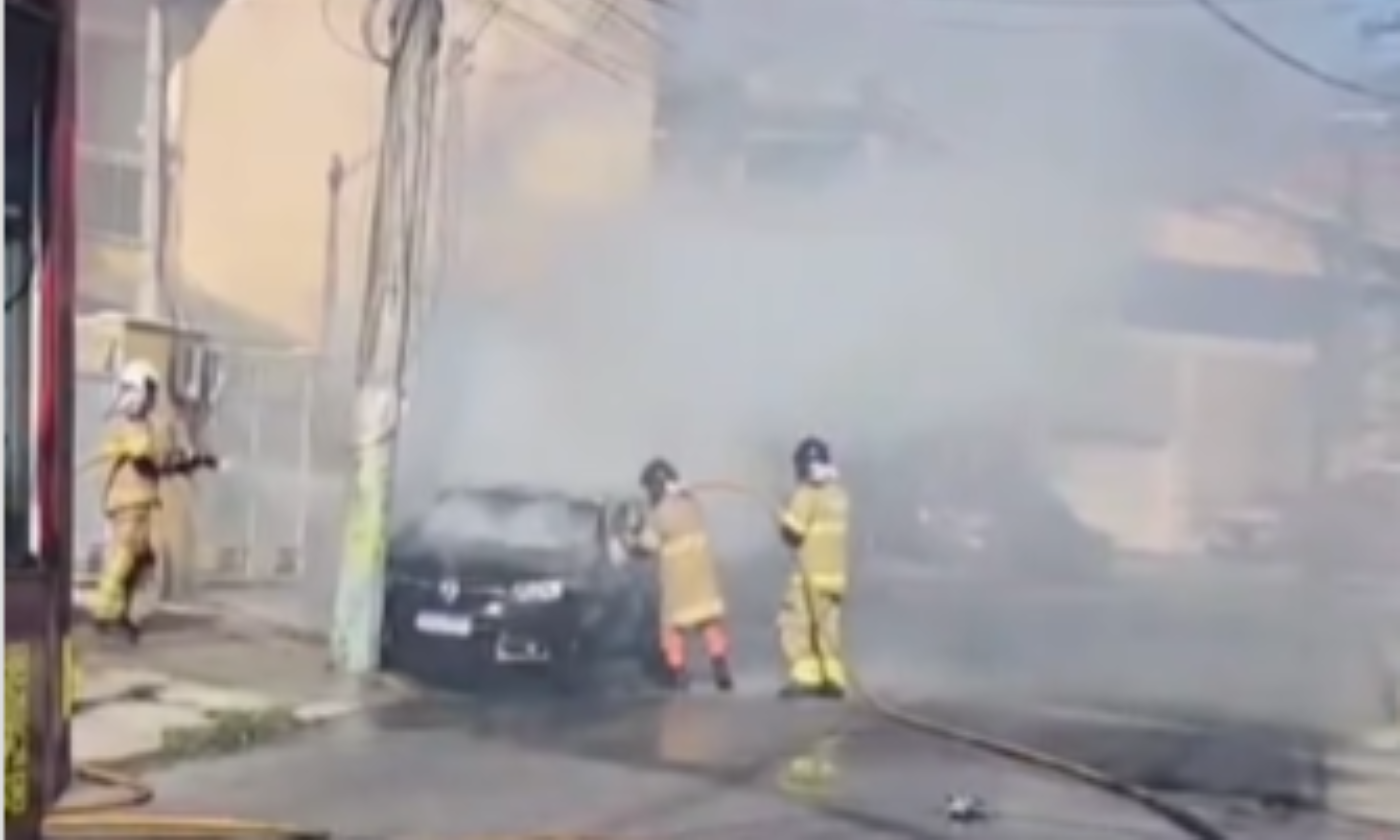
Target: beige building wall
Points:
(1237, 436)
(553, 106)
(269, 95)
(557, 128)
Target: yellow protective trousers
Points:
(810, 633)
(130, 557)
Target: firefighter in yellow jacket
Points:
(137, 456)
(692, 600)
(815, 526)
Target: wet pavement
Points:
(723, 767)
(1228, 698)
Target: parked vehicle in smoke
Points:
(494, 581)
(964, 499)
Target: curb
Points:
(1383, 743)
(301, 719)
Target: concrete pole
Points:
(359, 602)
(396, 280)
(152, 298)
(379, 398)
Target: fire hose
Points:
(114, 817)
(1179, 817)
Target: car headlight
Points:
(537, 591)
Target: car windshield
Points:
(522, 522)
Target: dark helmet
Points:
(656, 475)
(811, 452)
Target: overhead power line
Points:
(1246, 33)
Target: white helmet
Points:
(137, 384)
(138, 373)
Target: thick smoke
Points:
(972, 277)
(713, 324)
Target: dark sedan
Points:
(496, 582)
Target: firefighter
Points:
(692, 602)
(137, 456)
(815, 526)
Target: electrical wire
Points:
(1247, 34)
(1177, 816)
(368, 36)
(342, 43)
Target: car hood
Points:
(487, 565)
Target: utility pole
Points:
(152, 296)
(387, 317)
(379, 398)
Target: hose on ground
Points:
(114, 815)
(1177, 816)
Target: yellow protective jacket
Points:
(138, 453)
(820, 515)
(690, 589)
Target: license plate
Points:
(521, 651)
(443, 624)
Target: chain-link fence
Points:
(254, 520)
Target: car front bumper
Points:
(429, 638)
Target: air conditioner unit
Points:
(197, 374)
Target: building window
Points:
(111, 109)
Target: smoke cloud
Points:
(710, 324)
(973, 276)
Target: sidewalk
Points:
(200, 681)
(1365, 777)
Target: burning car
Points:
(499, 580)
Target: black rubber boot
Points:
(724, 678)
(131, 629)
(796, 691)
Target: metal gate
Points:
(253, 518)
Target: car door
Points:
(626, 587)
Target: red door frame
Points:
(38, 599)
(54, 456)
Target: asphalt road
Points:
(1220, 695)
(713, 767)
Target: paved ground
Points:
(1221, 693)
(192, 671)
(702, 767)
